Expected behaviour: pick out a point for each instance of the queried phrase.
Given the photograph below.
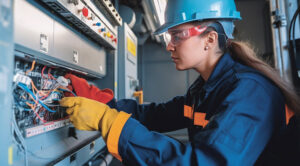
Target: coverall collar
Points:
(222, 68)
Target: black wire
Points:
(100, 155)
(292, 46)
(103, 158)
(292, 22)
(294, 25)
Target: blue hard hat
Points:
(183, 11)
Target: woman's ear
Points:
(212, 38)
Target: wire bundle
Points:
(40, 101)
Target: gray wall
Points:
(255, 26)
(158, 75)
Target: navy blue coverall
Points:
(231, 119)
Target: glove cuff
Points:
(106, 121)
(115, 133)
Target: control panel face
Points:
(85, 16)
(109, 10)
(47, 37)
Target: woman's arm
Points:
(237, 135)
(158, 117)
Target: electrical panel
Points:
(52, 38)
(42, 128)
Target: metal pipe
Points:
(280, 39)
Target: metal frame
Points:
(6, 74)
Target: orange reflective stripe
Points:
(114, 134)
(188, 111)
(288, 114)
(199, 119)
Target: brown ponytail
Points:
(244, 54)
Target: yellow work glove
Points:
(87, 114)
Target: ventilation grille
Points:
(57, 7)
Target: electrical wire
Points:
(25, 88)
(50, 75)
(20, 137)
(48, 93)
(33, 108)
(66, 90)
(103, 158)
(42, 73)
(22, 143)
(32, 67)
(33, 87)
(292, 29)
(293, 47)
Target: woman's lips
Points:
(175, 59)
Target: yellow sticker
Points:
(131, 47)
(116, 84)
(10, 155)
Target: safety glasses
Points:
(176, 37)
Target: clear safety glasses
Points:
(175, 37)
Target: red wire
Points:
(39, 117)
(43, 71)
(52, 77)
(44, 77)
(49, 74)
(33, 108)
(49, 70)
(46, 115)
(46, 95)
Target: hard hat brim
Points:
(169, 25)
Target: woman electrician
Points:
(234, 111)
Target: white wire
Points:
(20, 136)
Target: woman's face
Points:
(189, 53)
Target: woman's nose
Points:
(170, 47)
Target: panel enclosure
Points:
(127, 62)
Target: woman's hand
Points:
(87, 114)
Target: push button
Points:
(85, 12)
(97, 24)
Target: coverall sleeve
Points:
(162, 117)
(235, 136)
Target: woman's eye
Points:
(176, 38)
